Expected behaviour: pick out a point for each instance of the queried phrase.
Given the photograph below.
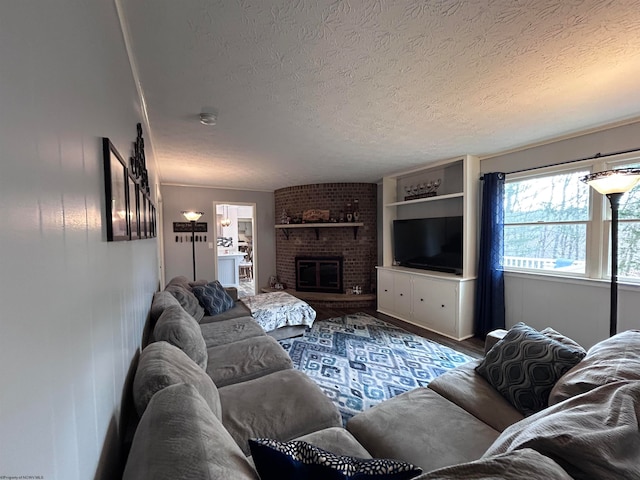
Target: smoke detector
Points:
(208, 119)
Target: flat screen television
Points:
(429, 243)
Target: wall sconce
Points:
(613, 184)
(193, 217)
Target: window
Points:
(552, 224)
(546, 221)
(628, 231)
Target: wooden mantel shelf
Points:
(287, 227)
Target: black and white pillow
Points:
(298, 460)
(525, 365)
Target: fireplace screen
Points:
(319, 274)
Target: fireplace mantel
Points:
(286, 227)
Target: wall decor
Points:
(116, 193)
(315, 215)
(134, 218)
(130, 213)
(138, 161)
(186, 227)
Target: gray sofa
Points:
(457, 427)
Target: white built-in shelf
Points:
(427, 199)
(287, 227)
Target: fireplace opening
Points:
(319, 274)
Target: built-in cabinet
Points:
(440, 302)
(435, 301)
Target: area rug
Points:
(359, 361)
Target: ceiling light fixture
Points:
(209, 119)
(226, 221)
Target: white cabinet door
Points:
(402, 294)
(385, 290)
(435, 305)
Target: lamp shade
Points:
(192, 216)
(613, 181)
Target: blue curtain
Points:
(489, 303)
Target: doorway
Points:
(235, 246)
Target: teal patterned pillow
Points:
(213, 297)
(525, 365)
(298, 460)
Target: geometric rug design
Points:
(359, 360)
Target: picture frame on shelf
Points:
(116, 193)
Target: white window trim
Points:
(598, 239)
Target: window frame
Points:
(598, 223)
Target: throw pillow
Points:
(525, 365)
(298, 460)
(213, 297)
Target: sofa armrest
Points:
(493, 338)
(233, 293)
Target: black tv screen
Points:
(429, 243)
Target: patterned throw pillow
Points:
(525, 365)
(213, 297)
(298, 460)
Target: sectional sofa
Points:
(196, 421)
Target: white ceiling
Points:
(312, 91)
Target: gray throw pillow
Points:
(525, 365)
(161, 365)
(180, 329)
(214, 298)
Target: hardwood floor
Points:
(473, 347)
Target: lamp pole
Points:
(614, 200)
(193, 217)
(613, 184)
(193, 247)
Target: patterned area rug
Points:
(360, 361)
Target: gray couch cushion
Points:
(245, 360)
(161, 365)
(187, 299)
(228, 331)
(282, 406)
(239, 310)
(422, 428)
(180, 329)
(467, 389)
(161, 300)
(616, 358)
(179, 437)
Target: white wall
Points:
(72, 306)
(178, 258)
(579, 309)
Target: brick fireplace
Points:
(358, 254)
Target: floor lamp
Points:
(193, 217)
(613, 184)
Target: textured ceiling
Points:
(312, 91)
